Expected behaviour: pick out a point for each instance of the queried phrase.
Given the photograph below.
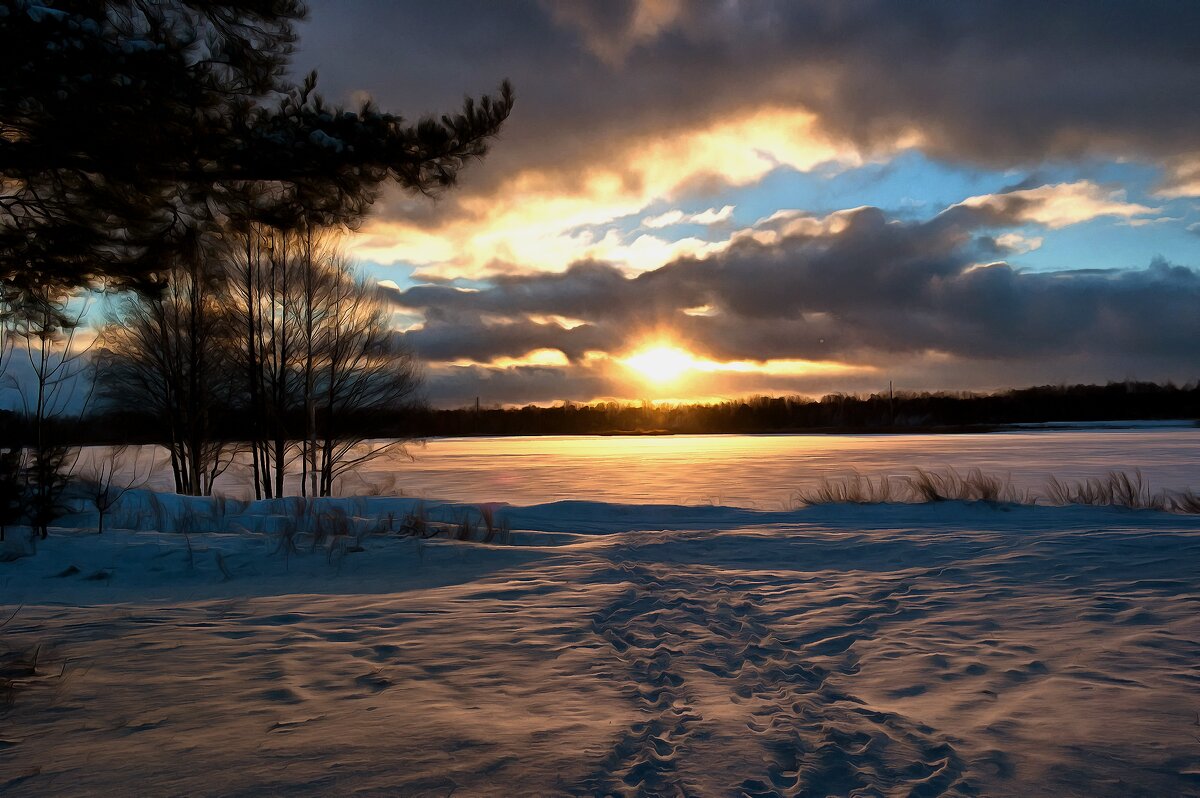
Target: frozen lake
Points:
(758, 471)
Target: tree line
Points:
(877, 412)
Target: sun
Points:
(661, 364)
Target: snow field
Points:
(949, 649)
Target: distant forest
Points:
(903, 412)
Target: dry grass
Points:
(854, 489)
(383, 485)
(974, 486)
(495, 528)
(16, 671)
(922, 486)
(22, 669)
(482, 524)
(416, 523)
(1185, 502)
(331, 523)
(1116, 489)
(9, 668)
(285, 541)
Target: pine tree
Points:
(128, 126)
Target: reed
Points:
(1116, 489)
(1185, 502)
(852, 489)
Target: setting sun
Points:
(661, 364)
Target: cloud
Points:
(610, 31)
(1017, 243)
(624, 106)
(710, 216)
(542, 219)
(1182, 179)
(995, 83)
(629, 103)
(1148, 222)
(871, 291)
(1056, 205)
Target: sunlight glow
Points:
(545, 219)
(661, 364)
(536, 357)
(665, 363)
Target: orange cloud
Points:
(1182, 179)
(1060, 204)
(541, 222)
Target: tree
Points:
(12, 492)
(105, 109)
(163, 352)
(315, 344)
(364, 371)
(282, 335)
(43, 323)
(109, 474)
(128, 125)
(136, 133)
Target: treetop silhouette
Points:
(129, 126)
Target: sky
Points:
(695, 201)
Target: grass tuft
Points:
(1185, 502)
(922, 486)
(1115, 489)
(854, 489)
(416, 523)
(495, 527)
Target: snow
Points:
(949, 649)
(1132, 424)
(755, 471)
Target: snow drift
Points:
(949, 649)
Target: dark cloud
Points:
(459, 386)
(996, 83)
(518, 385)
(470, 337)
(876, 290)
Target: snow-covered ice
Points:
(757, 471)
(951, 649)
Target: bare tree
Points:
(318, 256)
(280, 327)
(365, 370)
(12, 493)
(319, 356)
(11, 453)
(165, 352)
(111, 473)
(265, 282)
(43, 325)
